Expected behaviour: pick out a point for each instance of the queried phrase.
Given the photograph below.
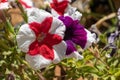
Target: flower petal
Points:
(59, 7)
(37, 61)
(59, 52)
(41, 49)
(79, 36)
(41, 27)
(25, 37)
(75, 55)
(34, 48)
(47, 51)
(57, 27)
(37, 15)
(26, 3)
(91, 38)
(66, 20)
(4, 5)
(71, 51)
(46, 24)
(54, 13)
(76, 15)
(3, 1)
(70, 47)
(70, 10)
(52, 39)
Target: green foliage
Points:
(95, 64)
(11, 58)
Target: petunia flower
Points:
(75, 33)
(5, 4)
(112, 37)
(41, 39)
(61, 7)
(26, 3)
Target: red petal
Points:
(34, 48)
(42, 49)
(52, 39)
(24, 4)
(43, 27)
(46, 24)
(59, 6)
(3, 1)
(47, 51)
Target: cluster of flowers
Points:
(50, 37)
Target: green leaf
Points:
(6, 53)
(2, 62)
(100, 67)
(117, 73)
(4, 45)
(88, 69)
(10, 27)
(115, 63)
(113, 78)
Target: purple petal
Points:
(74, 31)
(79, 35)
(66, 20)
(70, 47)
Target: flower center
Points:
(41, 36)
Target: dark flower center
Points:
(68, 34)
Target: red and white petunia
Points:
(60, 7)
(26, 3)
(41, 39)
(5, 4)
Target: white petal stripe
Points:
(75, 55)
(25, 37)
(37, 15)
(4, 5)
(91, 38)
(59, 52)
(57, 27)
(37, 61)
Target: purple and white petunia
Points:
(76, 34)
(42, 39)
